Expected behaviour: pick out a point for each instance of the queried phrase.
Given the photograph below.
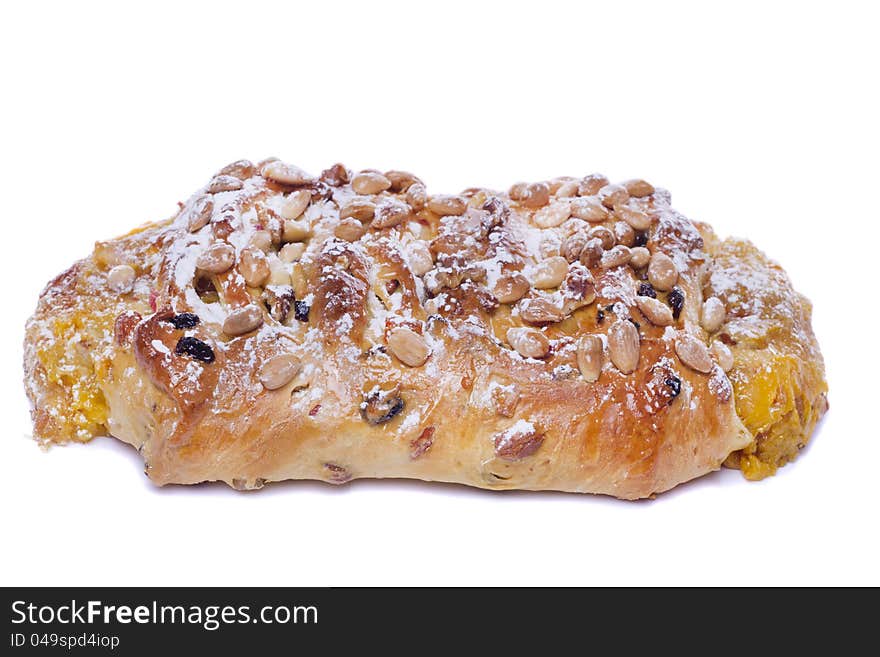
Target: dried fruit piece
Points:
(646, 290)
(676, 301)
(183, 320)
(194, 348)
(674, 385)
(518, 442)
(422, 444)
(301, 311)
(381, 406)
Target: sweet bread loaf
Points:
(573, 334)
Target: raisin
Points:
(184, 320)
(301, 311)
(194, 348)
(337, 473)
(676, 301)
(600, 316)
(674, 385)
(380, 407)
(422, 444)
(641, 238)
(647, 290)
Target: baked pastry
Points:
(572, 335)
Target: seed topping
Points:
(243, 320)
(713, 314)
(409, 347)
(120, 279)
(590, 357)
(693, 353)
(279, 370)
(623, 345)
(528, 343)
(662, 272)
(657, 312)
(217, 258)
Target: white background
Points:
(761, 118)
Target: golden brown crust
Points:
(496, 340)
